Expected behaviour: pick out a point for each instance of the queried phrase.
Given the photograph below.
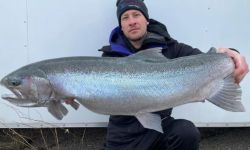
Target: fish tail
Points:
(229, 96)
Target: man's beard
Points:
(139, 38)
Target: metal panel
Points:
(37, 30)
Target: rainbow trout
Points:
(135, 85)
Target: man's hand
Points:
(241, 66)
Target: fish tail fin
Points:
(57, 109)
(229, 96)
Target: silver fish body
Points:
(135, 85)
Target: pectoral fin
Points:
(57, 109)
(150, 121)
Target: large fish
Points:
(135, 85)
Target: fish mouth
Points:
(16, 95)
(18, 99)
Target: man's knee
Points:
(185, 130)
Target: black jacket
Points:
(124, 132)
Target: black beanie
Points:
(124, 5)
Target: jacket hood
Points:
(117, 41)
(157, 37)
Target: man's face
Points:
(134, 25)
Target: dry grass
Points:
(51, 139)
(92, 139)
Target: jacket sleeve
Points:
(176, 49)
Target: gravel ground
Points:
(92, 139)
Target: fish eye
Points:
(15, 82)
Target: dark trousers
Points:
(179, 134)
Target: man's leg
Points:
(179, 134)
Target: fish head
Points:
(29, 87)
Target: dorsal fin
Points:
(212, 50)
(151, 55)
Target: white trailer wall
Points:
(32, 30)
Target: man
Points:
(137, 32)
